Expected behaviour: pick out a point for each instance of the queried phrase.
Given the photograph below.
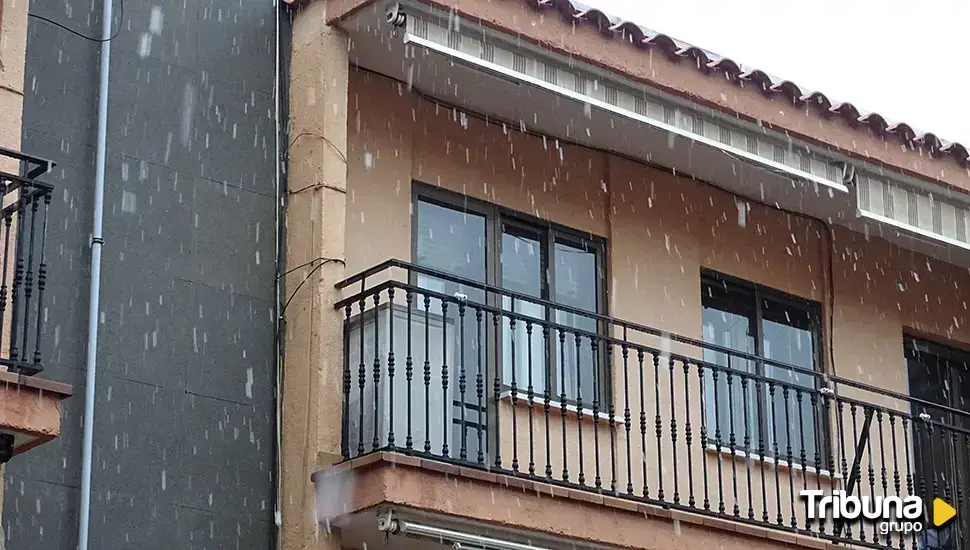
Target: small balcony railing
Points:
(26, 202)
(455, 370)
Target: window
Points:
(940, 376)
(751, 319)
(530, 257)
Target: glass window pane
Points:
(727, 318)
(451, 241)
(576, 286)
(576, 281)
(454, 242)
(789, 338)
(522, 273)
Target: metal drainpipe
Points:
(93, 305)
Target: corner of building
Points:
(314, 252)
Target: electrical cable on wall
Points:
(121, 16)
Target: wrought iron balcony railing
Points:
(455, 370)
(26, 202)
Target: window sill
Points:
(782, 464)
(522, 399)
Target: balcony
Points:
(29, 405)
(493, 380)
(26, 203)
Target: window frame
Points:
(759, 293)
(550, 233)
(913, 346)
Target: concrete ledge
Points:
(30, 409)
(520, 503)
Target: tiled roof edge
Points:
(706, 61)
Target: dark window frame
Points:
(958, 455)
(758, 294)
(550, 233)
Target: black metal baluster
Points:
(546, 396)
(659, 424)
(959, 482)
(579, 409)
(612, 413)
(855, 474)
(909, 472)
(376, 443)
(840, 407)
(427, 373)
(479, 385)
(896, 479)
(562, 399)
(791, 478)
(515, 397)
(29, 278)
(759, 395)
(446, 401)
(361, 380)
(409, 370)
(801, 454)
(830, 449)
(918, 443)
(530, 393)
(703, 438)
(774, 443)
(497, 386)
(882, 460)
(717, 442)
(41, 282)
(594, 348)
(732, 443)
(627, 424)
(747, 440)
(643, 428)
(390, 367)
(687, 435)
(872, 476)
(345, 412)
(946, 479)
(673, 428)
(18, 277)
(817, 437)
(933, 476)
(7, 221)
(462, 383)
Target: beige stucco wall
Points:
(661, 230)
(315, 215)
(13, 47)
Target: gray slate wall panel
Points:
(185, 417)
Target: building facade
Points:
(565, 281)
(510, 275)
(184, 430)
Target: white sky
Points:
(905, 59)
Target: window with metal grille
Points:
(767, 405)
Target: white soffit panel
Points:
(493, 55)
(909, 207)
(914, 210)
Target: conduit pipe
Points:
(97, 242)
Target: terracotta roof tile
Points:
(707, 61)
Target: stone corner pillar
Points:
(314, 251)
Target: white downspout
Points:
(93, 305)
